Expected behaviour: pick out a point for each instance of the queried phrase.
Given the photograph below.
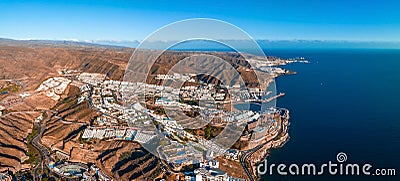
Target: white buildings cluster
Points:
(54, 87)
(92, 78)
(180, 154)
(128, 134)
(118, 101)
(175, 76)
(209, 173)
(79, 171)
(241, 116)
(142, 137)
(70, 170)
(213, 148)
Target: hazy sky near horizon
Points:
(359, 20)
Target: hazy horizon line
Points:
(257, 39)
(208, 44)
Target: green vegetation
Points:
(208, 132)
(190, 131)
(10, 87)
(28, 175)
(85, 141)
(198, 148)
(34, 132)
(163, 143)
(155, 123)
(160, 110)
(33, 155)
(125, 155)
(32, 152)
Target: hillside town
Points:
(119, 122)
(145, 113)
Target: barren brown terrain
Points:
(30, 64)
(13, 146)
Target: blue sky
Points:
(359, 20)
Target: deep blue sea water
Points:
(343, 101)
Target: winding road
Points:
(246, 154)
(43, 151)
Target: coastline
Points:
(257, 156)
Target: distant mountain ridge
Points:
(204, 44)
(12, 42)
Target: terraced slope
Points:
(13, 145)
